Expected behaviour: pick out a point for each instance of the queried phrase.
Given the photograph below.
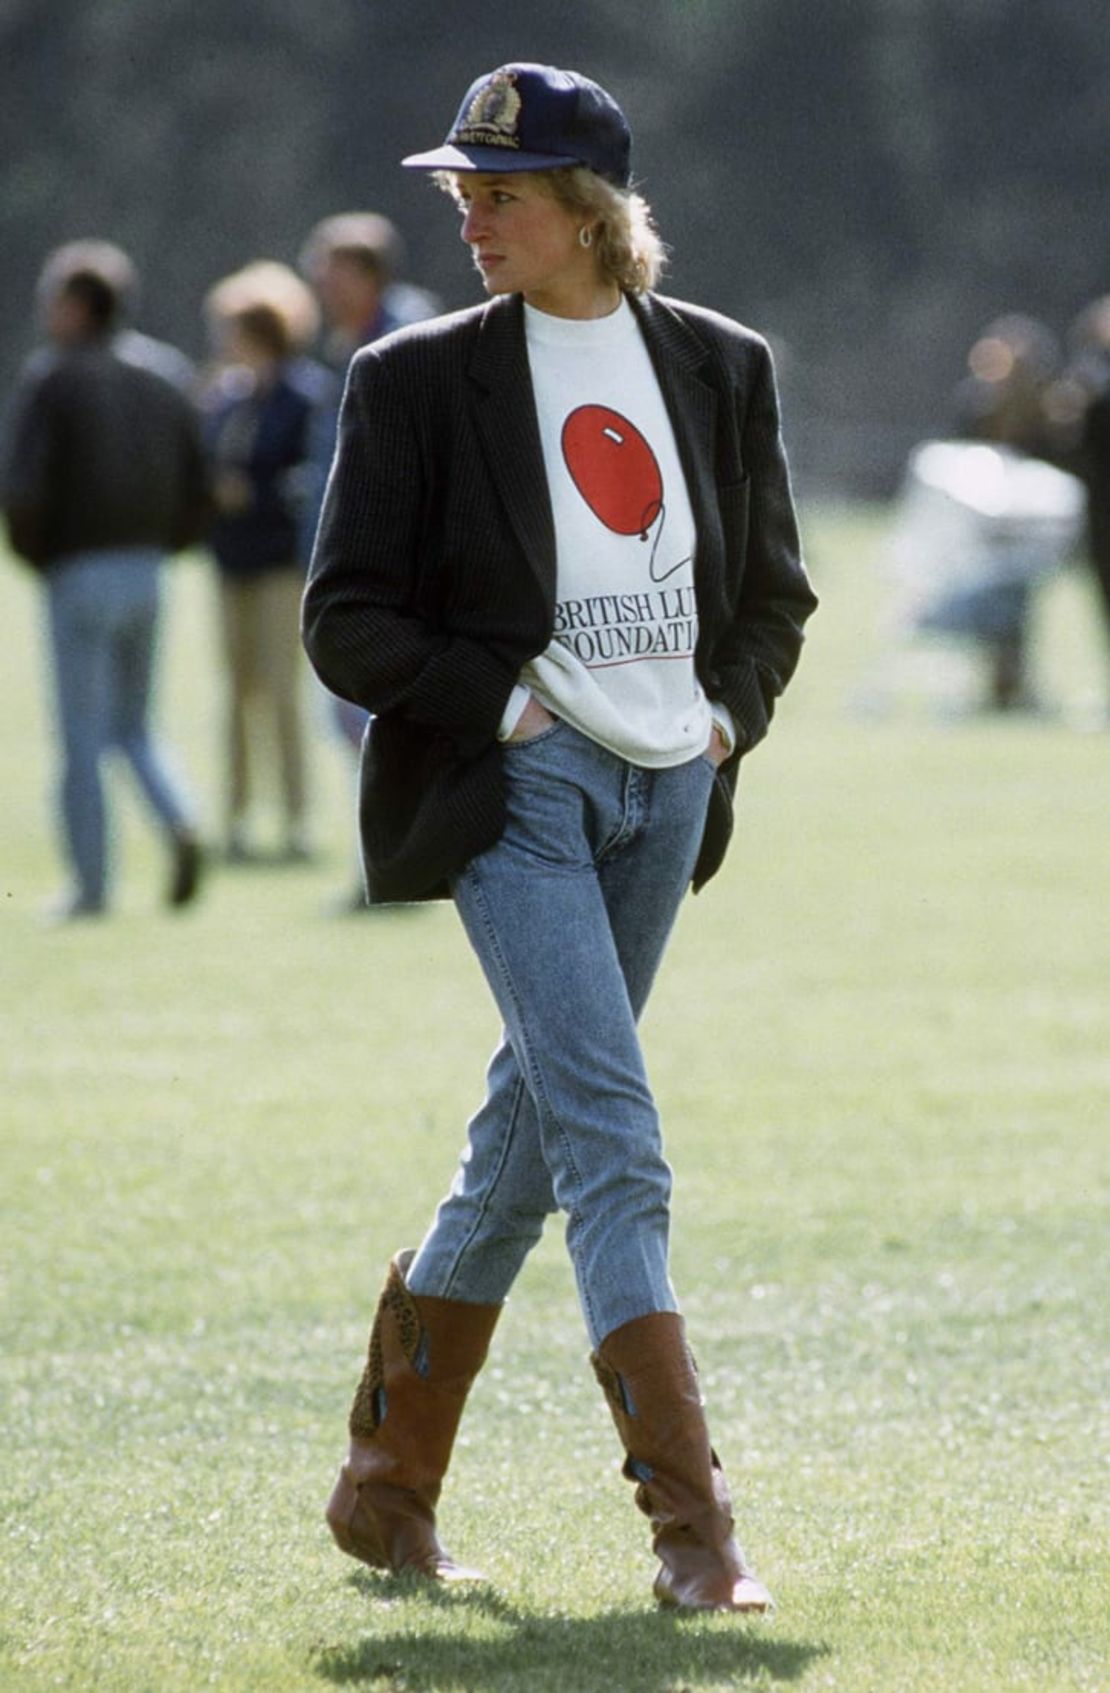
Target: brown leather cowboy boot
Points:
(650, 1381)
(424, 1354)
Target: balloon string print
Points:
(616, 473)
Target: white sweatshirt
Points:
(620, 666)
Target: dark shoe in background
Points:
(185, 870)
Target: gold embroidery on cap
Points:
(492, 118)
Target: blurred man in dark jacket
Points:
(103, 476)
(353, 261)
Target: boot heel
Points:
(349, 1524)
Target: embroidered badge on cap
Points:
(491, 119)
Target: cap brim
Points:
(500, 160)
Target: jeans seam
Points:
(491, 1189)
(529, 1069)
(634, 815)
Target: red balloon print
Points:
(614, 469)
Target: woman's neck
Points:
(597, 299)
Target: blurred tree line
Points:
(866, 181)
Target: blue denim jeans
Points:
(103, 620)
(569, 914)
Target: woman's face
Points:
(526, 242)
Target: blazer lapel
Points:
(679, 359)
(504, 411)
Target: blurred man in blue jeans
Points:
(103, 477)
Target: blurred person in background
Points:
(1081, 416)
(128, 342)
(558, 562)
(353, 261)
(103, 477)
(258, 410)
(1094, 452)
(1003, 400)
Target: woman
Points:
(258, 417)
(558, 562)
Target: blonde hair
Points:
(270, 300)
(630, 250)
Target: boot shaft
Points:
(423, 1355)
(650, 1380)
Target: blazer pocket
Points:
(424, 810)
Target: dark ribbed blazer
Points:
(433, 575)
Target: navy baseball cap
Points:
(534, 117)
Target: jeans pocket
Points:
(534, 740)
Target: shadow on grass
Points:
(493, 1644)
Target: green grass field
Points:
(881, 1048)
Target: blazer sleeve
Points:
(364, 627)
(758, 651)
